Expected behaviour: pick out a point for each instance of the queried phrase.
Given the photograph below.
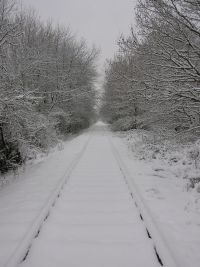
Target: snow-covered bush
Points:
(124, 124)
(10, 157)
(180, 159)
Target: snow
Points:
(175, 210)
(22, 200)
(95, 222)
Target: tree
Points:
(46, 84)
(163, 70)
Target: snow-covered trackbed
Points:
(95, 217)
(24, 246)
(162, 249)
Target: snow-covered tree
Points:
(46, 84)
(163, 67)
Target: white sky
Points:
(100, 22)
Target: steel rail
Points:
(162, 249)
(23, 248)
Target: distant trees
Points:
(46, 84)
(154, 80)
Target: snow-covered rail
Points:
(23, 248)
(162, 249)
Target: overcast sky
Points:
(100, 22)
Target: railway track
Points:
(164, 254)
(98, 207)
(22, 250)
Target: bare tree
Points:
(46, 84)
(163, 70)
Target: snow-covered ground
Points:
(162, 180)
(24, 198)
(94, 221)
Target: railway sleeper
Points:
(158, 257)
(149, 235)
(26, 254)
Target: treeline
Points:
(46, 84)
(153, 82)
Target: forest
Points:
(153, 82)
(47, 87)
(48, 76)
